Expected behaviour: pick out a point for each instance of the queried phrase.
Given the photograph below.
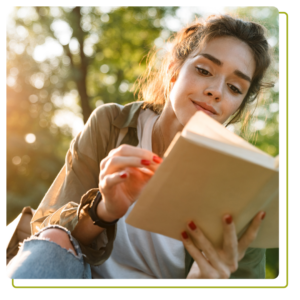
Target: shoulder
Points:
(112, 110)
(118, 115)
(100, 125)
(108, 110)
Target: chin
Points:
(187, 118)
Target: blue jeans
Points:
(43, 259)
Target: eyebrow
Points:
(219, 63)
(242, 75)
(211, 58)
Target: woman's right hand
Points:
(123, 174)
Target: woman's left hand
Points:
(218, 263)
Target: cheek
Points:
(232, 106)
(184, 84)
(176, 92)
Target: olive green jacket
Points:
(75, 187)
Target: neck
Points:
(164, 130)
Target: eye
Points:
(234, 89)
(203, 71)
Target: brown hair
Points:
(153, 87)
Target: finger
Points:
(194, 272)
(145, 171)
(201, 242)
(104, 162)
(249, 236)
(205, 269)
(118, 163)
(127, 150)
(230, 242)
(140, 174)
(111, 180)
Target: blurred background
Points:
(63, 62)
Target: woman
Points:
(216, 66)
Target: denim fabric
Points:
(43, 259)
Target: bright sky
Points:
(187, 15)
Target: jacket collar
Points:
(129, 115)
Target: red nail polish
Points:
(145, 162)
(123, 175)
(184, 235)
(157, 159)
(263, 215)
(228, 220)
(192, 225)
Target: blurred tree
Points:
(61, 62)
(35, 146)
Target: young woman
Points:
(216, 66)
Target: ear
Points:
(173, 79)
(170, 67)
(171, 64)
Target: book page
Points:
(206, 126)
(240, 152)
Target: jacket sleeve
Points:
(252, 265)
(76, 185)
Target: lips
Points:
(205, 108)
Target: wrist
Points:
(103, 214)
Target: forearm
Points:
(85, 230)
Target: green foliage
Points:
(38, 86)
(130, 33)
(31, 167)
(272, 263)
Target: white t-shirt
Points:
(138, 253)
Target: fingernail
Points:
(145, 162)
(263, 215)
(192, 225)
(157, 159)
(184, 235)
(228, 220)
(123, 175)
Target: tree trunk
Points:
(82, 69)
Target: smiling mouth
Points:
(205, 108)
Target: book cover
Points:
(202, 179)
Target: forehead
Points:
(231, 51)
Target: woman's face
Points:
(215, 80)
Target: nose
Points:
(214, 90)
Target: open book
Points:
(208, 172)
